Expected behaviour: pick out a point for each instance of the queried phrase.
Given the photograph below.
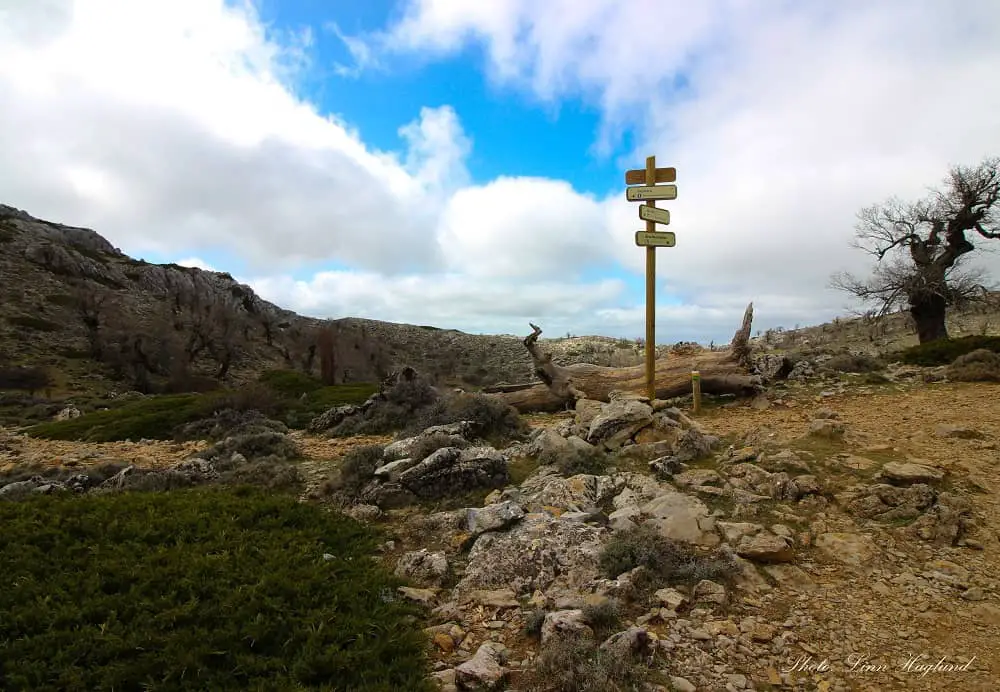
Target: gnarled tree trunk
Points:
(722, 372)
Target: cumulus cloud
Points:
(168, 125)
(783, 120)
(175, 127)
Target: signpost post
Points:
(648, 191)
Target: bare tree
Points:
(918, 247)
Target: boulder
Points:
(423, 567)
(484, 670)
(618, 421)
(848, 548)
(494, 517)
(450, 471)
(562, 622)
(538, 552)
(765, 547)
(681, 517)
(906, 472)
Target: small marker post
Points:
(696, 390)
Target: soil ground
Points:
(862, 624)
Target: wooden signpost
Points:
(648, 191)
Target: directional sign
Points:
(638, 194)
(638, 176)
(657, 239)
(648, 213)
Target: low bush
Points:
(208, 589)
(25, 379)
(161, 417)
(533, 623)
(944, 351)
(356, 469)
(592, 461)
(253, 397)
(853, 362)
(575, 663)
(981, 365)
(227, 423)
(492, 419)
(604, 617)
(291, 383)
(38, 324)
(398, 408)
(154, 417)
(265, 446)
(97, 474)
(668, 561)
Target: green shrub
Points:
(492, 419)
(205, 589)
(399, 406)
(253, 397)
(853, 362)
(573, 663)
(533, 623)
(31, 322)
(981, 365)
(592, 461)
(154, 417)
(266, 445)
(356, 469)
(301, 411)
(290, 383)
(667, 560)
(603, 617)
(227, 423)
(944, 351)
(61, 299)
(25, 379)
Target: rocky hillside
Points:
(72, 302)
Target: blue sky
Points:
(461, 163)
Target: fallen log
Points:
(722, 372)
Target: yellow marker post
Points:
(696, 390)
(650, 290)
(648, 192)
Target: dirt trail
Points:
(866, 623)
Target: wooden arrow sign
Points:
(638, 176)
(648, 213)
(638, 194)
(657, 239)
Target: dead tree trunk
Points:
(722, 372)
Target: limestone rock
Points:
(906, 472)
(682, 517)
(765, 547)
(423, 567)
(484, 670)
(562, 622)
(849, 548)
(536, 553)
(494, 517)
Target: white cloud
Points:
(782, 119)
(522, 227)
(197, 263)
(167, 125)
(183, 134)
